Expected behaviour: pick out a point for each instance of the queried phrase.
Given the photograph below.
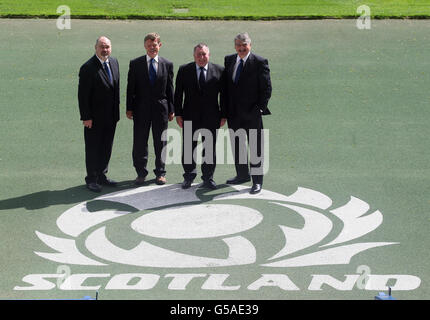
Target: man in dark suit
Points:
(248, 90)
(150, 104)
(199, 108)
(98, 95)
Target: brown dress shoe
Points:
(160, 180)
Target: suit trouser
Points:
(140, 145)
(98, 150)
(248, 134)
(189, 155)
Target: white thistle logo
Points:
(172, 214)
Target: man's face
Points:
(103, 48)
(152, 47)
(242, 48)
(201, 56)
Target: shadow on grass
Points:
(73, 195)
(77, 194)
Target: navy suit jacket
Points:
(248, 98)
(144, 99)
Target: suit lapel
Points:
(160, 70)
(209, 72)
(102, 73)
(248, 63)
(145, 72)
(193, 76)
(246, 67)
(231, 67)
(114, 71)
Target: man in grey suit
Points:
(249, 89)
(150, 104)
(98, 96)
(200, 108)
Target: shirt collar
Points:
(205, 67)
(101, 61)
(148, 58)
(244, 59)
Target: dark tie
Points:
(109, 74)
(238, 71)
(202, 78)
(152, 72)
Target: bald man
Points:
(98, 96)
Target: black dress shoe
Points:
(139, 180)
(238, 180)
(256, 188)
(108, 182)
(94, 187)
(186, 184)
(210, 184)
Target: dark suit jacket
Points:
(145, 100)
(98, 98)
(204, 107)
(249, 97)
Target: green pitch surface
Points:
(345, 208)
(214, 9)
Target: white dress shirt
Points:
(101, 61)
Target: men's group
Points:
(206, 96)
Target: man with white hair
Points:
(249, 89)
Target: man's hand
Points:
(223, 121)
(129, 114)
(180, 121)
(88, 123)
(171, 116)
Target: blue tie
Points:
(107, 71)
(152, 73)
(238, 71)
